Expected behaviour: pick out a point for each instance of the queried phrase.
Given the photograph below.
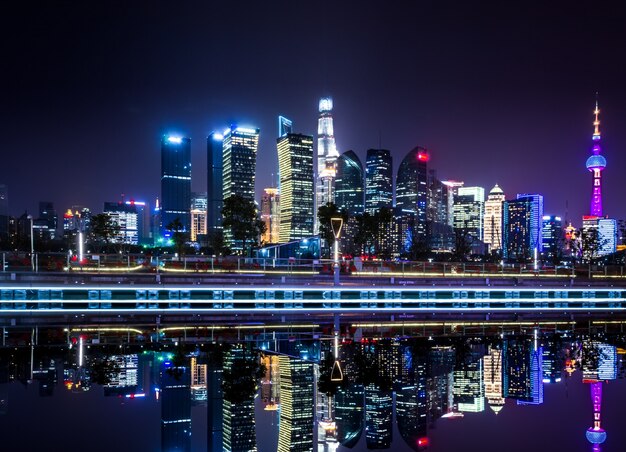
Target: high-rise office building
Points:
(199, 206)
(492, 235)
(349, 414)
(378, 180)
(296, 405)
(295, 164)
(492, 368)
(239, 168)
(127, 217)
(552, 237)
(49, 215)
(175, 408)
(239, 431)
(606, 236)
(439, 228)
(522, 219)
(326, 156)
(378, 416)
(468, 387)
(522, 371)
(350, 196)
(469, 211)
(596, 164)
(412, 188)
(270, 215)
(175, 182)
(350, 183)
(215, 198)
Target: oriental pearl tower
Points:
(596, 163)
(596, 434)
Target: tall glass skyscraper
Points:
(326, 156)
(378, 180)
(296, 405)
(349, 183)
(215, 198)
(295, 163)
(175, 181)
(412, 187)
(522, 224)
(469, 210)
(239, 167)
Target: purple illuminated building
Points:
(596, 163)
(596, 434)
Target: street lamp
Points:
(32, 244)
(336, 223)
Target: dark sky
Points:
(500, 93)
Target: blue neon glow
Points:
(173, 139)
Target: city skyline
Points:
(476, 105)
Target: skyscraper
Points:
(270, 215)
(469, 211)
(378, 415)
(350, 183)
(284, 126)
(596, 164)
(239, 168)
(552, 237)
(198, 216)
(595, 434)
(492, 234)
(126, 217)
(378, 180)
(468, 387)
(412, 187)
(350, 195)
(175, 181)
(522, 226)
(295, 163)
(296, 405)
(492, 368)
(175, 408)
(215, 198)
(326, 156)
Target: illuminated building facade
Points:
(175, 181)
(522, 371)
(175, 408)
(199, 374)
(522, 221)
(239, 431)
(215, 183)
(125, 215)
(492, 368)
(469, 211)
(596, 164)
(378, 417)
(270, 215)
(606, 235)
(349, 414)
(239, 168)
(350, 195)
(198, 216)
(326, 156)
(412, 187)
(296, 405)
(492, 235)
(468, 388)
(378, 180)
(439, 228)
(295, 164)
(552, 237)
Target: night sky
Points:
(500, 93)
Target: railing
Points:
(152, 263)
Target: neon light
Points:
(80, 351)
(423, 157)
(218, 136)
(176, 140)
(245, 130)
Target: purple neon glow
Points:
(596, 163)
(596, 434)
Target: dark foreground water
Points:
(515, 393)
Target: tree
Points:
(241, 378)
(462, 245)
(240, 218)
(324, 215)
(179, 236)
(372, 230)
(103, 229)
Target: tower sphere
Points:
(595, 436)
(596, 162)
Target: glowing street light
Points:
(336, 223)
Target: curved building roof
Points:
(596, 161)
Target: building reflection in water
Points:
(406, 385)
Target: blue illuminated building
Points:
(175, 408)
(215, 198)
(522, 225)
(175, 181)
(378, 180)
